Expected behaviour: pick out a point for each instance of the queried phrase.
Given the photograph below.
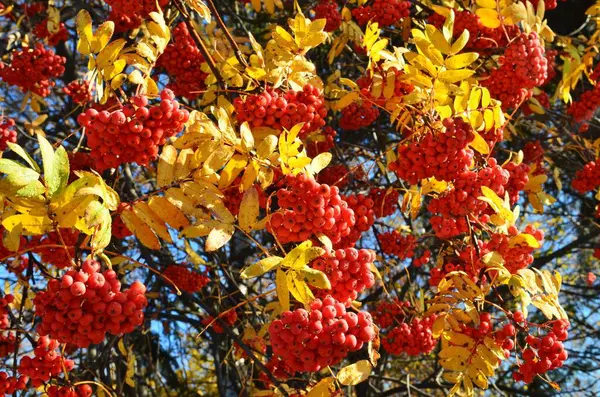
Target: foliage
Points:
(297, 196)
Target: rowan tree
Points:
(289, 198)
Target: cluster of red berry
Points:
(79, 91)
(517, 180)
(308, 208)
(413, 338)
(394, 243)
(11, 384)
(79, 161)
(364, 215)
(130, 14)
(516, 256)
(462, 199)
(523, 67)
(320, 142)
(355, 116)
(132, 133)
(46, 364)
(182, 60)
(503, 337)
(533, 154)
(389, 314)
(31, 9)
(60, 257)
(543, 354)
(185, 279)
(443, 155)
(68, 391)
(307, 341)
(7, 344)
(329, 10)
(7, 133)
(401, 335)
(32, 68)
(349, 272)
(385, 201)
(4, 302)
(335, 175)
(229, 318)
(41, 30)
(83, 305)
(384, 12)
(277, 110)
(549, 4)
(587, 178)
(585, 108)
(276, 366)
(119, 229)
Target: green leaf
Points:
(34, 189)
(17, 174)
(48, 162)
(261, 267)
(60, 177)
(24, 155)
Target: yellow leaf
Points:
(193, 255)
(461, 60)
(270, 6)
(146, 214)
(438, 326)
(31, 225)
(261, 267)
(460, 42)
(497, 204)
(322, 389)
(121, 346)
(166, 166)
(479, 144)
(346, 100)
(110, 53)
(168, 212)
(524, 239)
(283, 293)
(84, 30)
(455, 352)
(102, 36)
(219, 236)
(231, 171)
(247, 137)
(267, 147)
(141, 230)
(321, 161)
(256, 5)
(315, 278)
(454, 76)
(201, 9)
(249, 209)
(514, 13)
(437, 39)
(298, 288)
(354, 374)
(489, 17)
